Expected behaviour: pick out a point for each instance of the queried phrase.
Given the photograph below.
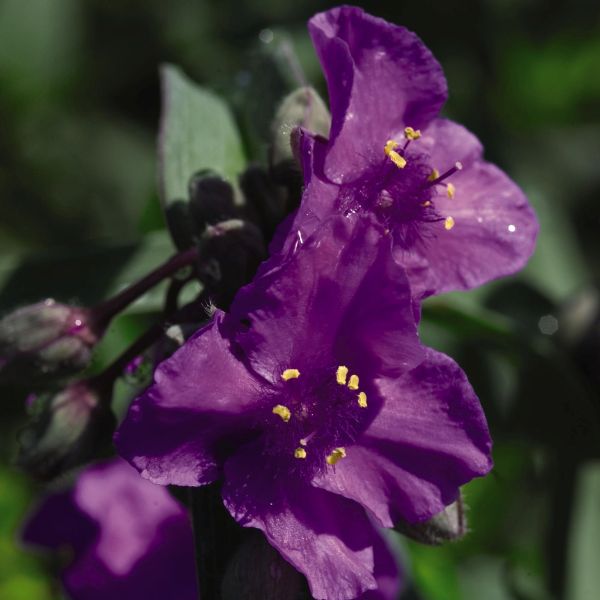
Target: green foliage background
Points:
(80, 218)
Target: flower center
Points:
(315, 416)
(421, 190)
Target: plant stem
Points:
(216, 537)
(204, 527)
(102, 313)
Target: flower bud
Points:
(447, 526)
(258, 571)
(65, 430)
(231, 252)
(45, 340)
(212, 200)
(302, 108)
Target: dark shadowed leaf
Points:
(197, 133)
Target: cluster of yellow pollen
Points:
(290, 374)
(434, 175)
(299, 453)
(282, 411)
(341, 376)
(336, 455)
(390, 150)
(412, 134)
(285, 414)
(450, 192)
(395, 157)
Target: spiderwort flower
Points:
(127, 538)
(457, 221)
(314, 400)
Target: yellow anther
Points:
(336, 456)
(353, 383)
(398, 160)
(449, 223)
(434, 175)
(362, 400)
(299, 453)
(391, 153)
(389, 146)
(426, 203)
(282, 411)
(340, 374)
(290, 374)
(412, 134)
(450, 190)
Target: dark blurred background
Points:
(80, 217)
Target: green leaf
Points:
(40, 47)
(272, 72)
(434, 572)
(584, 544)
(197, 132)
(86, 276)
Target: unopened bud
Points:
(258, 571)
(447, 526)
(45, 340)
(231, 251)
(179, 223)
(212, 200)
(64, 431)
(302, 108)
(266, 203)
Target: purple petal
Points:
(56, 515)
(201, 395)
(380, 78)
(319, 200)
(495, 227)
(429, 438)
(129, 538)
(340, 299)
(387, 574)
(110, 494)
(327, 538)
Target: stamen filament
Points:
(457, 167)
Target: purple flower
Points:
(127, 537)
(457, 221)
(314, 401)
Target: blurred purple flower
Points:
(126, 537)
(457, 220)
(314, 400)
(65, 428)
